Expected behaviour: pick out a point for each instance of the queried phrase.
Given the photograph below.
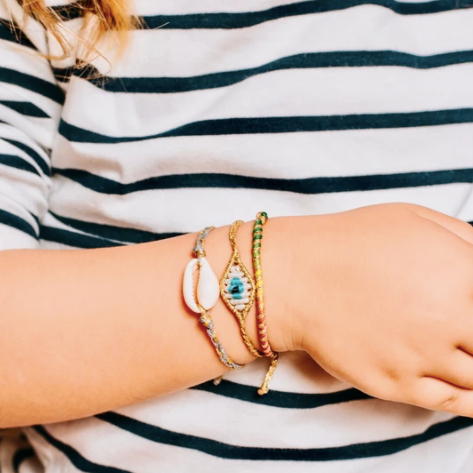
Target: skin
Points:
(114, 330)
(393, 315)
(381, 297)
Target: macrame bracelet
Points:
(237, 289)
(261, 219)
(207, 322)
(207, 295)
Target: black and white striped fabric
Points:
(217, 110)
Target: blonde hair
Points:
(99, 18)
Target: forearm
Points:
(83, 332)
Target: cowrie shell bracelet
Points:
(202, 299)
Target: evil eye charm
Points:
(237, 288)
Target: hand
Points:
(382, 298)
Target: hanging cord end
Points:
(269, 375)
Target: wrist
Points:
(279, 256)
(296, 257)
(277, 259)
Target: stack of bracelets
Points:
(239, 292)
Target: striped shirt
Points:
(217, 110)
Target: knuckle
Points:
(446, 403)
(430, 393)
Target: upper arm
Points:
(30, 107)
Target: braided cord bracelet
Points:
(208, 323)
(261, 219)
(237, 288)
(207, 295)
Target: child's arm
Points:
(381, 297)
(84, 331)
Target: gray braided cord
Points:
(222, 354)
(205, 318)
(199, 244)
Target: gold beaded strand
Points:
(261, 219)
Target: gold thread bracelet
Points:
(261, 219)
(237, 288)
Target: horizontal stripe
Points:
(74, 456)
(14, 221)
(292, 93)
(17, 163)
(228, 50)
(223, 450)
(12, 33)
(165, 85)
(38, 159)
(311, 154)
(248, 19)
(36, 219)
(281, 399)
(70, 11)
(163, 210)
(35, 84)
(278, 95)
(233, 126)
(314, 185)
(64, 74)
(69, 238)
(111, 232)
(335, 425)
(20, 456)
(25, 108)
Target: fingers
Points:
(462, 229)
(437, 395)
(456, 369)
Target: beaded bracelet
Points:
(207, 295)
(261, 219)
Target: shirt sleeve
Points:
(30, 108)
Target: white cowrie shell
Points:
(208, 290)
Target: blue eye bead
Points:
(237, 288)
